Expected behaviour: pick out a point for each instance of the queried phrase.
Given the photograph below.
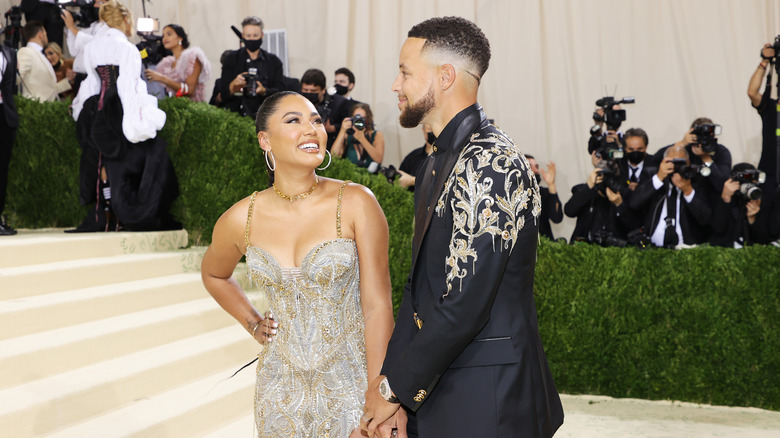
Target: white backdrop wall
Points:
(552, 59)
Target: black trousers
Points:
(7, 138)
(49, 14)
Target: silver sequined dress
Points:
(311, 378)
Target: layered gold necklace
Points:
(299, 195)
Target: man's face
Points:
(635, 144)
(251, 32)
(534, 165)
(342, 79)
(309, 88)
(44, 37)
(414, 84)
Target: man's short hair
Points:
(637, 132)
(252, 21)
(31, 29)
(314, 77)
(346, 72)
(457, 36)
(702, 121)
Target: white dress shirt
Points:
(658, 234)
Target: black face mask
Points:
(431, 138)
(313, 97)
(57, 65)
(341, 90)
(635, 157)
(253, 45)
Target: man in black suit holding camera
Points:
(249, 74)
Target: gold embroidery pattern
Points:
(480, 209)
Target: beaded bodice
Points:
(312, 376)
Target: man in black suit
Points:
(552, 210)
(233, 93)
(9, 121)
(465, 358)
(741, 215)
(48, 13)
(678, 209)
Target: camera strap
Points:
(670, 234)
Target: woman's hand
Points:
(265, 330)
(152, 75)
(346, 124)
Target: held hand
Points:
(266, 329)
(729, 188)
(683, 184)
(612, 137)
(666, 168)
(346, 124)
(689, 138)
(549, 175)
(376, 410)
(753, 207)
(397, 422)
(615, 198)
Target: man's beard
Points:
(413, 114)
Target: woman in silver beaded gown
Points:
(330, 313)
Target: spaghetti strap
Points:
(249, 220)
(338, 208)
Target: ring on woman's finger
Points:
(365, 418)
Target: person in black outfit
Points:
(635, 167)
(602, 215)
(551, 205)
(48, 13)
(738, 220)
(233, 94)
(677, 209)
(9, 121)
(719, 161)
(410, 166)
(331, 107)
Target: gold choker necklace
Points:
(299, 195)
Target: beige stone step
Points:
(241, 427)
(24, 316)
(56, 402)
(209, 402)
(26, 281)
(31, 247)
(42, 355)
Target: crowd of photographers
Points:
(687, 193)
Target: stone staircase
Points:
(114, 335)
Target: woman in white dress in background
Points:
(319, 249)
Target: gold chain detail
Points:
(299, 195)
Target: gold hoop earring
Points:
(330, 159)
(268, 163)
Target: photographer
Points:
(249, 74)
(332, 108)
(47, 12)
(675, 202)
(602, 216)
(551, 205)
(77, 37)
(738, 219)
(703, 148)
(410, 166)
(358, 140)
(598, 134)
(767, 109)
(185, 72)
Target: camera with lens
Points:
(748, 180)
(389, 172)
(612, 117)
(358, 122)
(775, 47)
(151, 48)
(705, 136)
(13, 27)
(84, 12)
(689, 171)
(610, 171)
(251, 78)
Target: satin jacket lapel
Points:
(460, 139)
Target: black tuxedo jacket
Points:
(475, 366)
(729, 221)
(552, 211)
(8, 87)
(595, 213)
(694, 216)
(234, 63)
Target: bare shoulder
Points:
(231, 225)
(354, 193)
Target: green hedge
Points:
(699, 325)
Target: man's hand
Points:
(753, 207)
(237, 84)
(689, 138)
(549, 176)
(595, 177)
(397, 422)
(405, 180)
(665, 169)
(683, 184)
(767, 52)
(699, 151)
(260, 90)
(729, 188)
(615, 198)
(376, 410)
